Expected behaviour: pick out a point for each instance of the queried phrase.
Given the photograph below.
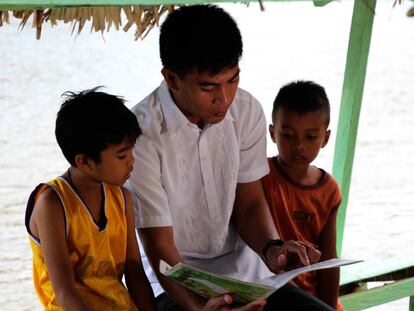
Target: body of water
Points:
(288, 41)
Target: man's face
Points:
(202, 97)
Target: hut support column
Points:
(352, 91)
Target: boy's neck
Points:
(305, 176)
(82, 181)
(88, 189)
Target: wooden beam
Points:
(352, 91)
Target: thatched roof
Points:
(103, 14)
(101, 18)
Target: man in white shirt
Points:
(196, 181)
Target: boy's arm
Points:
(328, 279)
(135, 278)
(50, 225)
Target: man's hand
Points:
(291, 255)
(223, 303)
(313, 254)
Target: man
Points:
(199, 162)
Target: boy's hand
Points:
(291, 255)
(223, 303)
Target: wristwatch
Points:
(269, 244)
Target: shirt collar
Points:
(174, 118)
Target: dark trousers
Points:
(288, 297)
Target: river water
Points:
(288, 41)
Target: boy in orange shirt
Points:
(81, 224)
(302, 198)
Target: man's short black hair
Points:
(302, 97)
(201, 37)
(89, 121)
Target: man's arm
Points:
(252, 216)
(157, 240)
(328, 279)
(136, 281)
(49, 223)
(159, 244)
(254, 224)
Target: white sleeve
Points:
(150, 200)
(253, 159)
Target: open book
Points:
(208, 284)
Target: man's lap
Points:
(165, 303)
(288, 297)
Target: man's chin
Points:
(216, 119)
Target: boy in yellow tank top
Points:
(81, 224)
(302, 198)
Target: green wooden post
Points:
(353, 87)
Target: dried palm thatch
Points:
(102, 18)
(410, 12)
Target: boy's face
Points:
(299, 136)
(115, 167)
(203, 98)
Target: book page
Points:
(281, 279)
(210, 285)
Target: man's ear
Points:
(272, 132)
(83, 162)
(326, 139)
(171, 78)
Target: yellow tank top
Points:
(97, 254)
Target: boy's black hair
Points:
(89, 121)
(201, 37)
(302, 97)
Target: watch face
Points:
(269, 244)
